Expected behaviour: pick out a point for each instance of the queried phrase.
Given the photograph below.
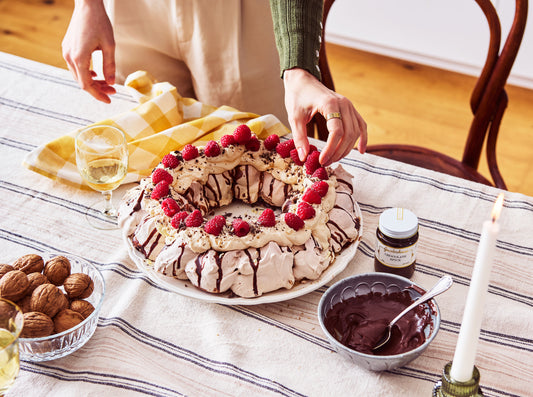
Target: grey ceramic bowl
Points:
(376, 282)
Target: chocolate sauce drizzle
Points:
(142, 247)
(255, 266)
(247, 173)
(218, 259)
(176, 265)
(215, 193)
(348, 184)
(137, 205)
(199, 267)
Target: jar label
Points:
(395, 257)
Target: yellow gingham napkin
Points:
(163, 121)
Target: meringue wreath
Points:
(185, 219)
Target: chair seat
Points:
(429, 159)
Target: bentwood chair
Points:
(488, 102)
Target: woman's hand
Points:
(304, 97)
(90, 30)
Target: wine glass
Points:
(102, 160)
(11, 321)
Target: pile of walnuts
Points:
(51, 297)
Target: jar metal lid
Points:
(398, 223)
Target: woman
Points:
(219, 52)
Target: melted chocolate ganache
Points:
(360, 322)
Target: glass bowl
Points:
(383, 283)
(62, 344)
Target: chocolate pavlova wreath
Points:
(298, 215)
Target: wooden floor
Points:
(400, 101)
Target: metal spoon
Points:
(442, 285)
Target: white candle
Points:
(465, 351)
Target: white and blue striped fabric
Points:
(152, 342)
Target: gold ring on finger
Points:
(334, 115)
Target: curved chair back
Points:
(488, 103)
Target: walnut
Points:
(83, 307)
(25, 304)
(35, 280)
(7, 310)
(66, 319)
(48, 299)
(4, 268)
(78, 285)
(36, 325)
(29, 264)
(13, 285)
(57, 270)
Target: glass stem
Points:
(108, 205)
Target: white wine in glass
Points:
(11, 322)
(102, 160)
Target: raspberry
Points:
(170, 207)
(311, 196)
(267, 218)
(312, 163)
(312, 148)
(161, 175)
(212, 149)
(295, 158)
(320, 187)
(294, 221)
(271, 141)
(160, 190)
(321, 173)
(215, 224)
(227, 140)
(189, 152)
(253, 144)
(170, 161)
(177, 220)
(242, 134)
(305, 211)
(194, 219)
(290, 143)
(240, 227)
(284, 148)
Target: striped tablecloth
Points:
(150, 341)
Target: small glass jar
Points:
(397, 238)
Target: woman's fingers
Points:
(304, 97)
(90, 30)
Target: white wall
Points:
(449, 34)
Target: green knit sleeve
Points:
(298, 30)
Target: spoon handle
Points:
(442, 285)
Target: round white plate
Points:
(186, 288)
